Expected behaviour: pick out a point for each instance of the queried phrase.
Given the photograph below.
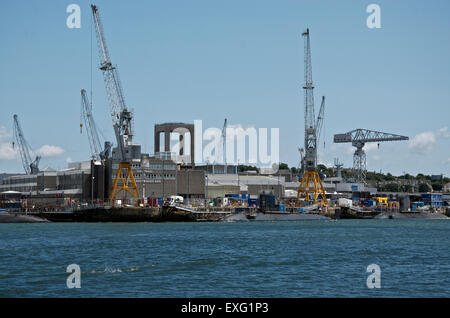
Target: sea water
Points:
(242, 259)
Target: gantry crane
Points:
(120, 114)
(30, 167)
(358, 138)
(91, 129)
(310, 185)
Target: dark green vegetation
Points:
(386, 182)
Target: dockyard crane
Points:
(97, 153)
(310, 186)
(358, 138)
(120, 114)
(30, 167)
(320, 118)
(224, 146)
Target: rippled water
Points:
(253, 259)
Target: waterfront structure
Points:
(182, 129)
(432, 199)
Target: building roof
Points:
(48, 168)
(233, 179)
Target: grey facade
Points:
(180, 128)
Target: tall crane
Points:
(30, 167)
(91, 128)
(358, 138)
(224, 146)
(120, 114)
(310, 186)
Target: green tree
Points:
(389, 177)
(406, 188)
(391, 187)
(437, 186)
(243, 168)
(423, 187)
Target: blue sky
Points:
(243, 60)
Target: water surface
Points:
(252, 259)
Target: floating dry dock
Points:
(184, 214)
(117, 214)
(167, 214)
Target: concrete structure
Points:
(159, 176)
(91, 180)
(221, 190)
(51, 187)
(446, 188)
(250, 184)
(154, 177)
(218, 168)
(182, 129)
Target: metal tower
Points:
(358, 138)
(30, 167)
(310, 186)
(120, 115)
(224, 146)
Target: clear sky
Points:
(242, 60)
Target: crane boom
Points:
(30, 167)
(320, 117)
(308, 86)
(91, 128)
(365, 135)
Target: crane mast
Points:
(30, 167)
(310, 131)
(311, 186)
(120, 114)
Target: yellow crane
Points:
(121, 117)
(311, 187)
